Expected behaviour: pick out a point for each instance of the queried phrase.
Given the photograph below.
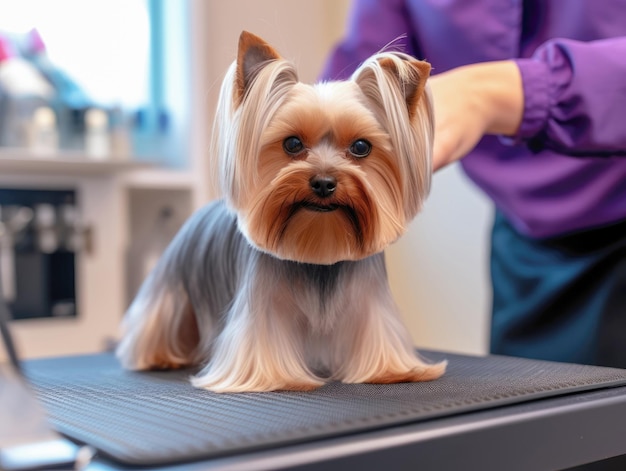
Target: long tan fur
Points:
(282, 284)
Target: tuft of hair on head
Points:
(395, 87)
(255, 85)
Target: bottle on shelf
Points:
(43, 135)
(22, 90)
(97, 137)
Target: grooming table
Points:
(485, 413)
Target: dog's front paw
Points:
(233, 383)
(414, 373)
(222, 380)
(419, 373)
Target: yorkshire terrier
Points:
(282, 285)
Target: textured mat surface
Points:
(158, 418)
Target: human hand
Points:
(472, 101)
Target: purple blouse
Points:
(572, 57)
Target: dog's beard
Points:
(289, 221)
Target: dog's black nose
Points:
(323, 185)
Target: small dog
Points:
(282, 284)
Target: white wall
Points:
(439, 269)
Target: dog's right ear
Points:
(253, 54)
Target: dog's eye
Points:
(292, 145)
(360, 148)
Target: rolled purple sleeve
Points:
(575, 97)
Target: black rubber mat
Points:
(158, 418)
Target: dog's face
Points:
(327, 172)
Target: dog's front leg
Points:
(371, 343)
(261, 347)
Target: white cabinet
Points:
(117, 200)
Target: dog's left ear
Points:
(409, 74)
(253, 54)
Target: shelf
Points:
(160, 179)
(22, 161)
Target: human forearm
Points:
(499, 86)
(472, 101)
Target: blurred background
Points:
(106, 110)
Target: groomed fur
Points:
(281, 285)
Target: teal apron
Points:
(561, 299)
